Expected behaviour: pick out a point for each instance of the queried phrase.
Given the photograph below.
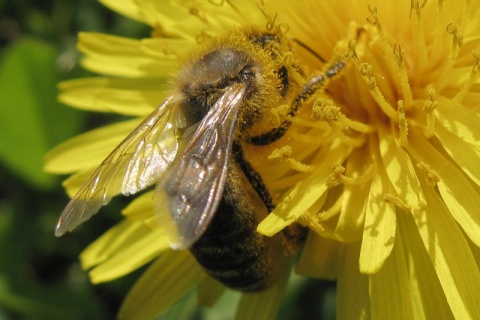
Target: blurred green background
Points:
(40, 275)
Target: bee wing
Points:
(188, 196)
(136, 163)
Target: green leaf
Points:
(31, 120)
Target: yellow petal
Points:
(89, 149)
(130, 253)
(141, 208)
(186, 19)
(458, 193)
(355, 196)
(167, 280)
(109, 243)
(128, 8)
(461, 121)
(124, 96)
(352, 287)
(73, 183)
(390, 289)
(400, 171)
(451, 256)
(264, 305)
(428, 298)
(380, 222)
(321, 257)
(118, 56)
(167, 47)
(466, 155)
(304, 194)
(209, 291)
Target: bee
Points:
(208, 197)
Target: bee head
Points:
(249, 57)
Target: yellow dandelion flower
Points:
(380, 167)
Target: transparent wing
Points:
(136, 163)
(188, 196)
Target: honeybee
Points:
(191, 147)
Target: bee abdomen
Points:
(240, 260)
(231, 250)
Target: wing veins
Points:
(194, 185)
(117, 170)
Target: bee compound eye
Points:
(247, 72)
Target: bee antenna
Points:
(304, 46)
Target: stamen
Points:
(217, 4)
(398, 53)
(316, 220)
(431, 176)
(271, 22)
(337, 176)
(474, 74)
(366, 70)
(397, 201)
(285, 153)
(421, 47)
(373, 19)
(352, 52)
(203, 37)
(326, 110)
(198, 13)
(230, 3)
(313, 221)
(317, 114)
(457, 41)
(428, 108)
(402, 124)
(278, 114)
(335, 209)
(440, 4)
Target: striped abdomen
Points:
(231, 250)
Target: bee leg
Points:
(293, 235)
(315, 84)
(253, 177)
(231, 250)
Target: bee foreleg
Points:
(253, 177)
(314, 85)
